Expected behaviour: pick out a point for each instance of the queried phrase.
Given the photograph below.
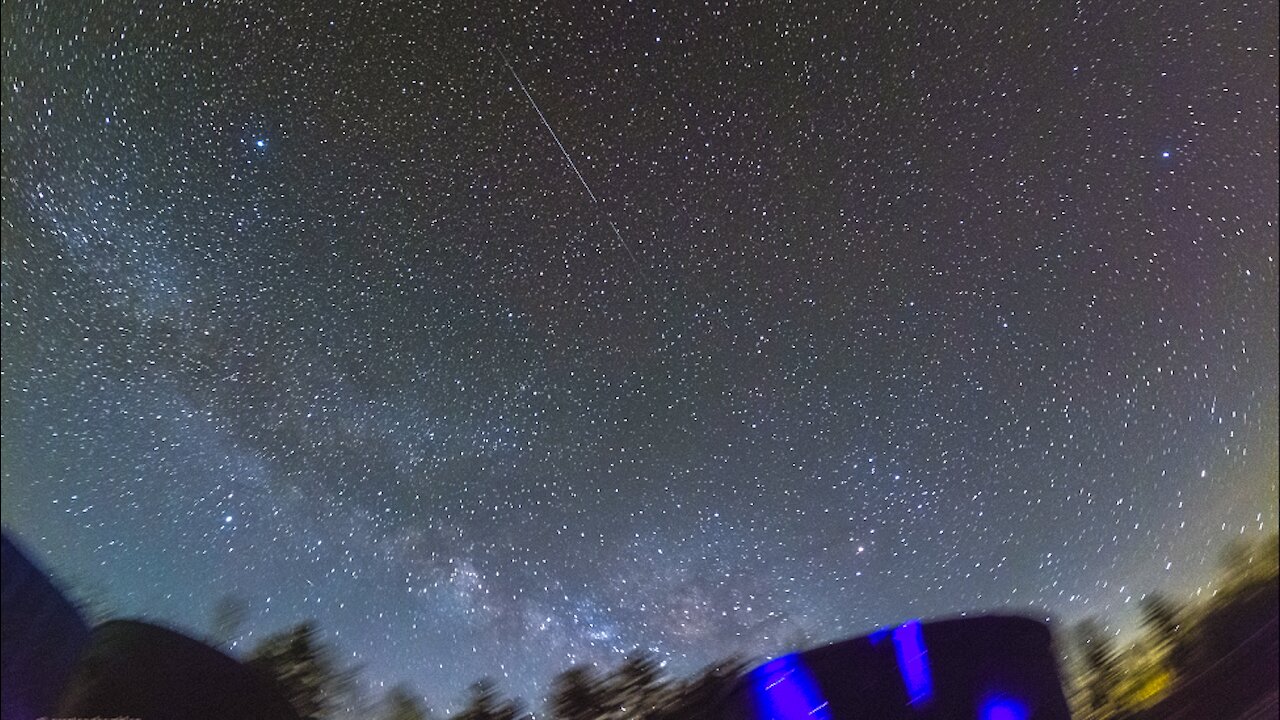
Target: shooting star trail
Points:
(574, 166)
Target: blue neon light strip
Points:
(913, 662)
(1002, 707)
(786, 691)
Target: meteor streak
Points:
(595, 201)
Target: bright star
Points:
(261, 143)
(1165, 154)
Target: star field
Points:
(909, 311)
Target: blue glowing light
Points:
(260, 143)
(1165, 154)
(1002, 707)
(913, 662)
(786, 691)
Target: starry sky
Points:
(826, 316)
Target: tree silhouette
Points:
(634, 689)
(485, 703)
(1160, 619)
(1101, 662)
(401, 704)
(701, 697)
(1235, 563)
(1245, 563)
(577, 694)
(91, 600)
(229, 615)
(304, 670)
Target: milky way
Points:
(932, 309)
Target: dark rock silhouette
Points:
(43, 635)
(135, 669)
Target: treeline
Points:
(1202, 651)
(306, 672)
(1206, 656)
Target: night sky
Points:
(909, 311)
